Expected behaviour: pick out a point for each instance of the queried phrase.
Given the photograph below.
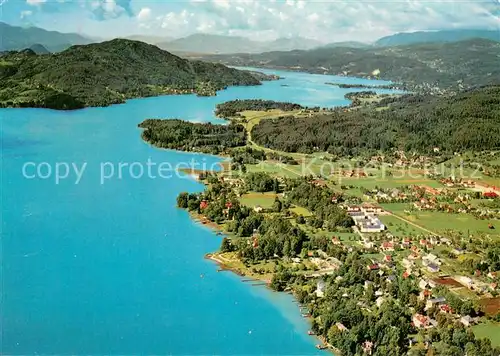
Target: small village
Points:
(439, 264)
(381, 237)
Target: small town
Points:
(451, 274)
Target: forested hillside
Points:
(467, 121)
(233, 107)
(107, 73)
(407, 38)
(187, 136)
(420, 66)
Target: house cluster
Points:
(358, 173)
(432, 262)
(366, 217)
(480, 286)
(426, 204)
(422, 321)
(387, 195)
(452, 182)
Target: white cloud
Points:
(313, 17)
(35, 2)
(324, 20)
(222, 3)
(144, 14)
(25, 14)
(338, 20)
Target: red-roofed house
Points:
(420, 321)
(445, 308)
(203, 204)
(373, 267)
(387, 246)
(491, 195)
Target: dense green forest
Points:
(419, 66)
(467, 121)
(233, 107)
(107, 73)
(187, 136)
(249, 155)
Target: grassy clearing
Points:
(301, 211)
(275, 169)
(389, 182)
(252, 199)
(440, 222)
(397, 227)
(488, 330)
(348, 238)
(396, 208)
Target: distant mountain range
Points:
(431, 66)
(205, 43)
(18, 38)
(348, 44)
(13, 38)
(107, 73)
(407, 38)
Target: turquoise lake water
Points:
(116, 268)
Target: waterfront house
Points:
(320, 288)
(341, 327)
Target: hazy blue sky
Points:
(327, 21)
